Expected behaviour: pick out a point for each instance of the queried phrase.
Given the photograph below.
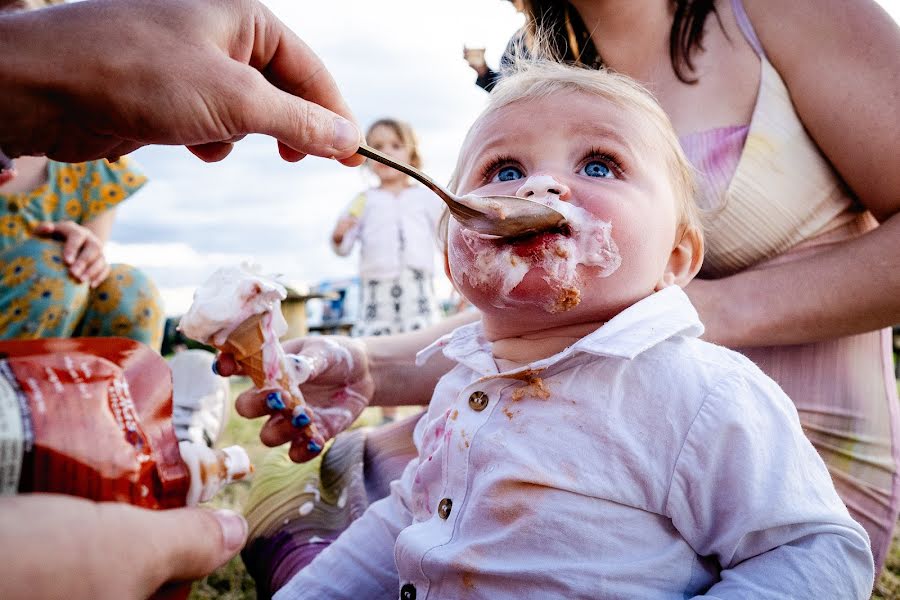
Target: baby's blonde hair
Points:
(27, 4)
(407, 136)
(529, 79)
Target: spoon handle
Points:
(384, 159)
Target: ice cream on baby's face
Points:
(228, 298)
(497, 268)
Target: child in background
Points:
(588, 444)
(55, 219)
(395, 225)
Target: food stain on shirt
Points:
(509, 501)
(534, 386)
(468, 580)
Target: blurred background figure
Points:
(487, 77)
(395, 224)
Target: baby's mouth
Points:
(563, 230)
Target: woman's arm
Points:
(841, 64)
(392, 363)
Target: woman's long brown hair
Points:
(560, 26)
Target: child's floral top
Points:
(73, 192)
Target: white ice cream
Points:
(229, 297)
(211, 470)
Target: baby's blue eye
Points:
(509, 174)
(597, 168)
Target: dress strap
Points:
(743, 21)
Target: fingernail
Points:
(215, 367)
(274, 401)
(234, 528)
(313, 446)
(346, 135)
(300, 420)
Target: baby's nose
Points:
(541, 186)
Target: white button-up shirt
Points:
(394, 232)
(640, 462)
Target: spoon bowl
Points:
(501, 216)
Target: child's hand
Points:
(344, 225)
(82, 250)
(338, 388)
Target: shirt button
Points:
(444, 508)
(408, 592)
(478, 401)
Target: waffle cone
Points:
(246, 343)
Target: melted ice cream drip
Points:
(589, 243)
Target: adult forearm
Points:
(392, 362)
(848, 288)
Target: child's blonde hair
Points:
(528, 79)
(406, 134)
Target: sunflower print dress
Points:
(38, 297)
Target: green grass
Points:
(231, 581)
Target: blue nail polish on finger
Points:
(313, 447)
(274, 401)
(300, 420)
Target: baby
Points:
(588, 444)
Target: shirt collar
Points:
(656, 318)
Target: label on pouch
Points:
(15, 430)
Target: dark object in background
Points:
(897, 351)
(174, 339)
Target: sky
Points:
(397, 58)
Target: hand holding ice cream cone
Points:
(238, 311)
(338, 386)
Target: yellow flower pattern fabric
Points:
(38, 298)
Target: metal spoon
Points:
(503, 216)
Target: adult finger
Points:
(212, 151)
(299, 451)
(289, 154)
(183, 544)
(277, 430)
(225, 365)
(252, 404)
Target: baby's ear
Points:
(685, 259)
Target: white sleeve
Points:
(360, 562)
(750, 490)
(347, 242)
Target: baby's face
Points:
(601, 166)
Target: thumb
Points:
(307, 128)
(189, 543)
